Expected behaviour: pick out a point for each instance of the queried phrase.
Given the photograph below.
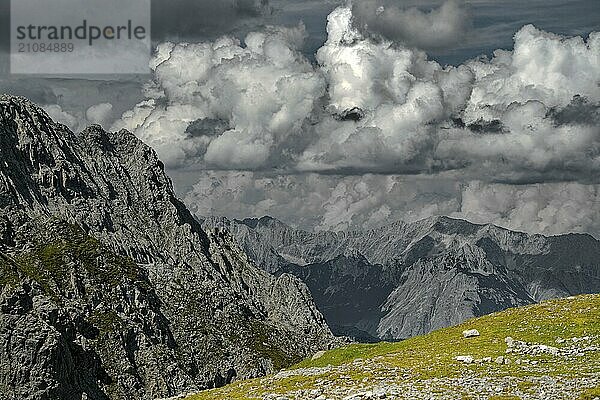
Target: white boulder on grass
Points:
(470, 333)
(465, 359)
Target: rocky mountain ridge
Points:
(406, 279)
(109, 288)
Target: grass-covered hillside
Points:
(545, 351)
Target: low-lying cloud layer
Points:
(336, 138)
(362, 202)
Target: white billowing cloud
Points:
(375, 131)
(372, 106)
(519, 91)
(275, 106)
(365, 74)
(441, 27)
(403, 97)
(99, 114)
(265, 91)
(543, 67)
(550, 208)
(63, 117)
(409, 101)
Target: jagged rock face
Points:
(425, 275)
(335, 285)
(110, 287)
(76, 318)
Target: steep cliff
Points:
(109, 288)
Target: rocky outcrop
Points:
(349, 291)
(110, 288)
(407, 279)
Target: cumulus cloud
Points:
(504, 106)
(522, 90)
(63, 117)
(371, 106)
(402, 94)
(543, 66)
(551, 208)
(333, 144)
(100, 114)
(264, 91)
(438, 28)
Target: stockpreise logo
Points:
(75, 37)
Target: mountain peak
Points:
(19, 101)
(266, 221)
(456, 269)
(109, 193)
(448, 225)
(22, 112)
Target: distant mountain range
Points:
(110, 289)
(406, 279)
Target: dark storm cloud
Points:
(4, 37)
(440, 27)
(197, 20)
(580, 110)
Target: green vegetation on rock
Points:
(9, 274)
(427, 364)
(261, 341)
(50, 262)
(106, 321)
(590, 394)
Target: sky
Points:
(332, 115)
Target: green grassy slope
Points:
(425, 366)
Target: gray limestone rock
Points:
(109, 288)
(406, 279)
